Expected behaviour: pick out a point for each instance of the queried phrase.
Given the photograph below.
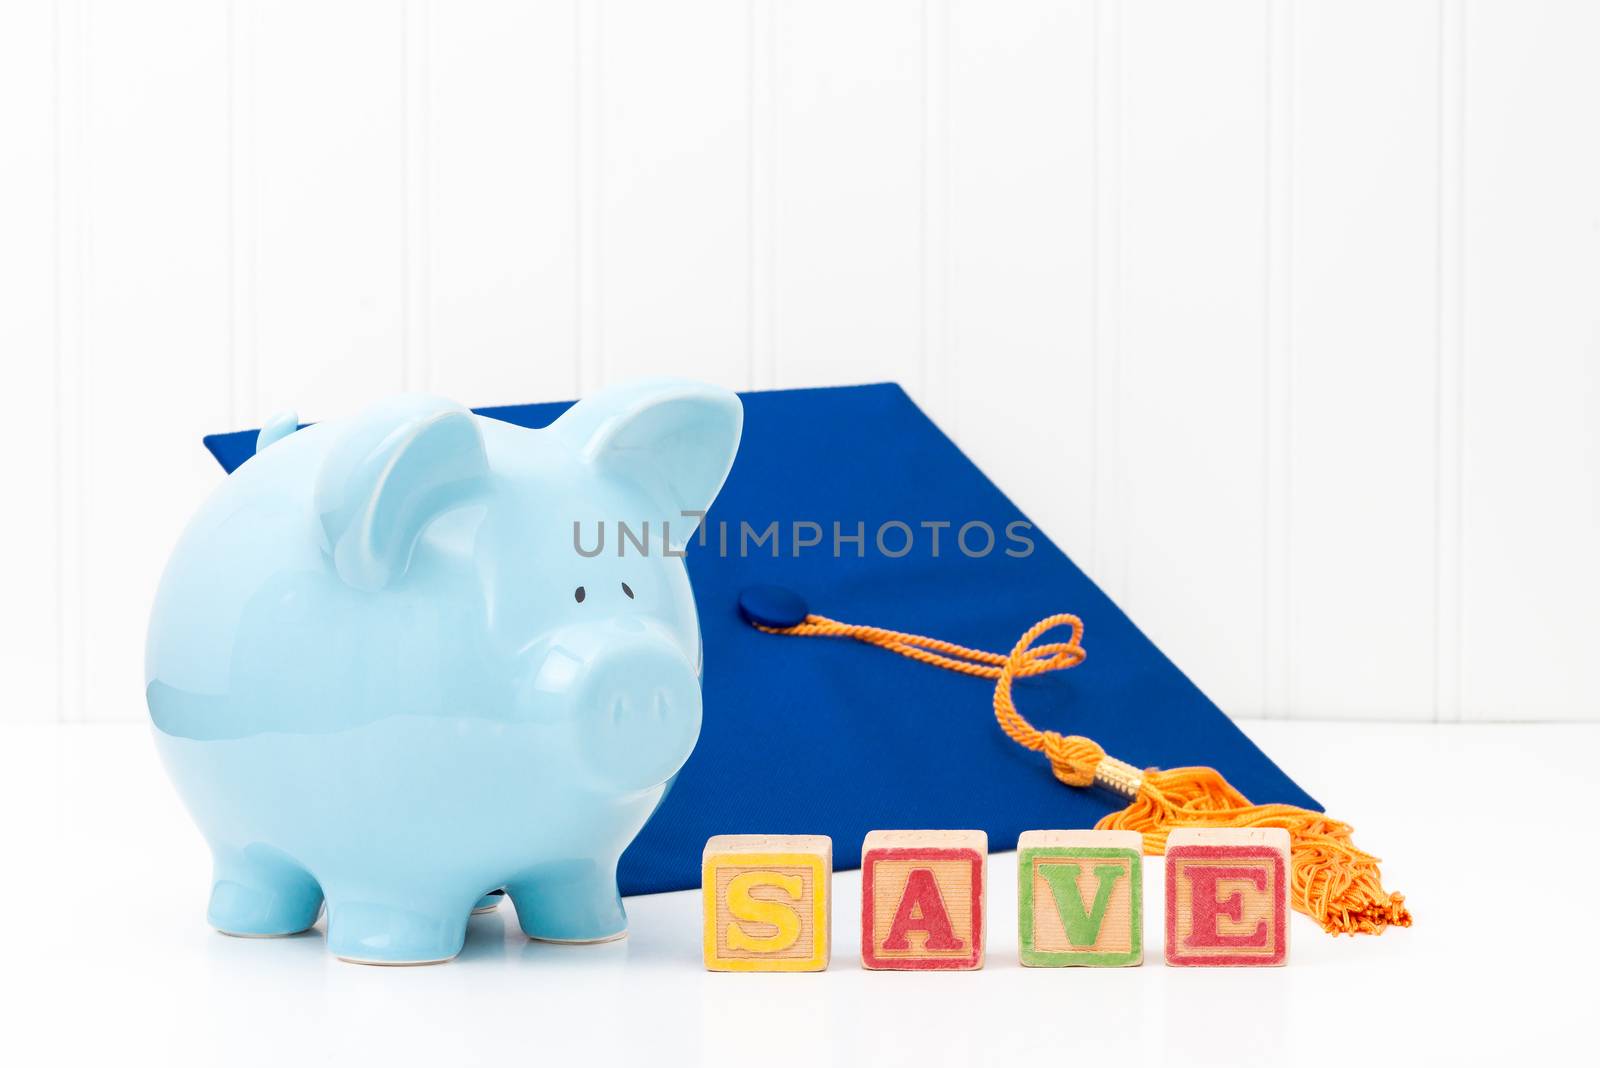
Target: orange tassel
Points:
(1332, 881)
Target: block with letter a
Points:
(923, 900)
(1227, 897)
(768, 902)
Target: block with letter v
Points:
(1080, 899)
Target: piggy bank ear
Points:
(673, 440)
(399, 465)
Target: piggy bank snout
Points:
(638, 708)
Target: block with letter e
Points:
(1227, 897)
(768, 902)
(923, 896)
(1080, 899)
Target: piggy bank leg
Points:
(397, 927)
(573, 901)
(255, 894)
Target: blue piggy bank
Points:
(388, 669)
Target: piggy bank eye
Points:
(627, 590)
(577, 595)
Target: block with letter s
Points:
(768, 902)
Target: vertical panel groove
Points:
(1449, 416)
(243, 377)
(591, 372)
(1107, 557)
(1277, 365)
(230, 89)
(935, 164)
(56, 401)
(58, 359)
(416, 192)
(763, 369)
(72, 253)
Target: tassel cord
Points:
(1332, 881)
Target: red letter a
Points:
(921, 909)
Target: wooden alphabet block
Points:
(1080, 898)
(768, 902)
(1227, 897)
(923, 900)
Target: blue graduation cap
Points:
(848, 503)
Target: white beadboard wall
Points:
(1283, 318)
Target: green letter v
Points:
(1082, 926)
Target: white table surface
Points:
(1487, 829)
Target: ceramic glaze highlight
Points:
(374, 680)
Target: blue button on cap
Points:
(772, 606)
